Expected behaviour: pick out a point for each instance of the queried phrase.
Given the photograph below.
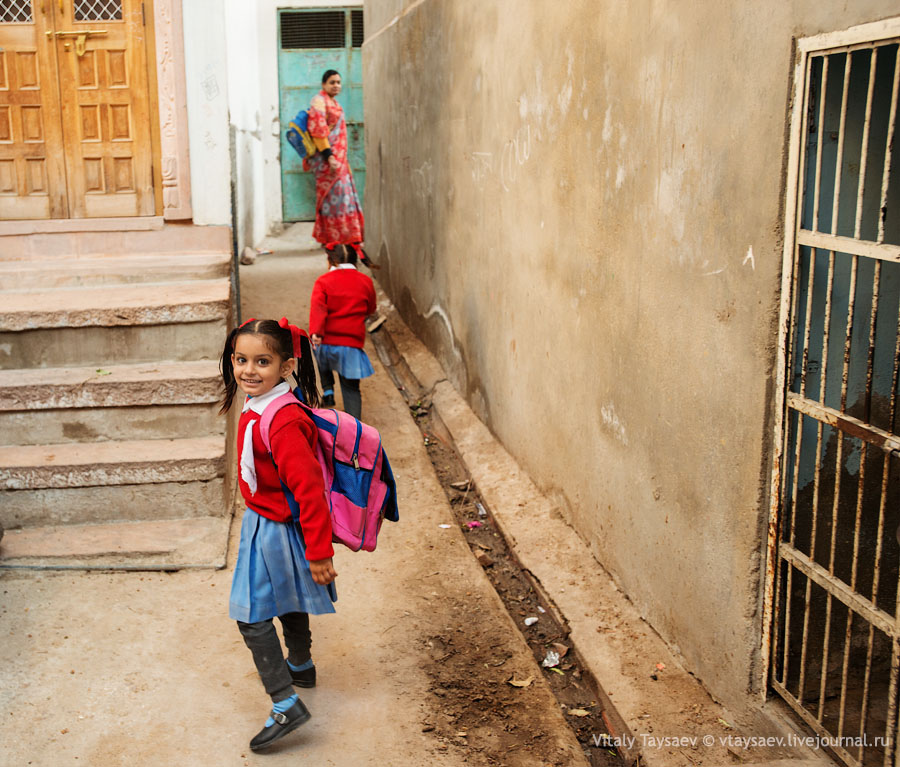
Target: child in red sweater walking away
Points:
(281, 570)
(342, 298)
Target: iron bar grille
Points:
(313, 29)
(15, 12)
(98, 10)
(835, 654)
(358, 32)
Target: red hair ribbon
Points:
(247, 322)
(330, 245)
(296, 333)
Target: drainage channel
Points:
(537, 618)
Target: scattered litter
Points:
(473, 524)
(551, 659)
(445, 527)
(464, 485)
(264, 251)
(530, 621)
(725, 724)
(428, 727)
(376, 324)
(561, 673)
(521, 682)
(654, 677)
(482, 512)
(660, 666)
(462, 735)
(102, 372)
(541, 609)
(578, 712)
(484, 560)
(427, 441)
(561, 649)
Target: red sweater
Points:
(341, 301)
(293, 438)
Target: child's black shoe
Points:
(284, 723)
(305, 678)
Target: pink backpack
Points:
(359, 483)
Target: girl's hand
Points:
(316, 339)
(333, 163)
(323, 571)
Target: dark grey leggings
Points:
(349, 390)
(262, 639)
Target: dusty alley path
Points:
(122, 668)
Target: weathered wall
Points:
(205, 74)
(578, 207)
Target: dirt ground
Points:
(415, 667)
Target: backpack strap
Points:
(265, 421)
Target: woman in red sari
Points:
(339, 216)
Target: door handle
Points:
(80, 38)
(79, 32)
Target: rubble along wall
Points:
(578, 207)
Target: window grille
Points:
(16, 12)
(98, 10)
(313, 29)
(835, 600)
(358, 33)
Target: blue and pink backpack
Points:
(359, 484)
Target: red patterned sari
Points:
(339, 216)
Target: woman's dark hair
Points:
(279, 341)
(341, 254)
(329, 73)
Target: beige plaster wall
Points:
(578, 207)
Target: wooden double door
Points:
(75, 109)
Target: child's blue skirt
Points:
(349, 361)
(272, 576)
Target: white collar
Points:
(258, 404)
(342, 266)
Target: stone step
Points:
(110, 270)
(96, 424)
(109, 306)
(114, 503)
(171, 238)
(96, 347)
(147, 545)
(32, 467)
(162, 383)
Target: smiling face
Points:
(332, 86)
(257, 369)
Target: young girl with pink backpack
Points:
(283, 570)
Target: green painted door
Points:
(310, 42)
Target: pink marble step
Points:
(107, 306)
(111, 463)
(157, 544)
(163, 383)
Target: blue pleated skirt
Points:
(272, 576)
(349, 361)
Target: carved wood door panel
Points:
(105, 107)
(88, 153)
(32, 171)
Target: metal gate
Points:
(834, 544)
(310, 42)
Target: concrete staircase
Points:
(111, 451)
